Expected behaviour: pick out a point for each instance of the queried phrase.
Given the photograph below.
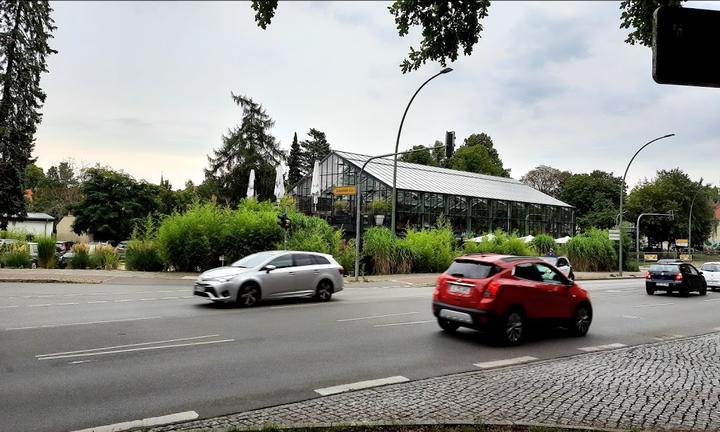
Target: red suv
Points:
(502, 294)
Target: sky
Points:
(146, 87)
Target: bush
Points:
(20, 236)
(345, 255)
(592, 251)
(501, 243)
(143, 255)
(104, 257)
(543, 243)
(380, 248)
(312, 234)
(81, 256)
(431, 250)
(46, 251)
(16, 255)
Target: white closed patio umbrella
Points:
(279, 182)
(251, 184)
(562, 240)
(315, 184)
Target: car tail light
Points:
(648, 275)
(492, 289)
(678, 276)
(341, 270)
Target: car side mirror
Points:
(569, 282)
(269, 268)
(701, 272)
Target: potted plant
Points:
(341, 206)
(379, 208)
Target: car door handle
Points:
(316, 271)
(291, 273)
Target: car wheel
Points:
(447, 325)
(324, 291)
(512, 328)
(249, 295)
(649, 291)
(685, 292)
(703, 291)
(581, 320)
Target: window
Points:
(528, 272)
(548, 274)
(282, 261)
(319, 260)
(472, 269)
(562, 262)
(303, 260)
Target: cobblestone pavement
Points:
(669, 385)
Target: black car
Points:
(679, 277)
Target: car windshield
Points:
(550, 260)
(664, 268)
(710, 267)
(253, 260)
(470, 269)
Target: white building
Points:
(34, 223)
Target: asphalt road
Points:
(78, 356)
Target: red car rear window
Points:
(472, 269)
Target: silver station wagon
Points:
(272, 275)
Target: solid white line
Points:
(128, 345)
(506, 362)
(97, 301)
(361, 385)
(629, 316)
(81, 323)
(653, 305)
(136, 349)
(146, 422)
(65, 304)
(40, 305)
(602, 347)
(376, 316)
(403, 323)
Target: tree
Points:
(248, 146)
(56, 192)
(638, 16)
(595, 196)
(112, 203)
(25, 27)
(546, 179)
(478, 155)
(294, 161)
(33, 178)
(313, 149)
(423, 157)
(439, 154)
(673, 190)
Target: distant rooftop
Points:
(452, 182)
(35, 216)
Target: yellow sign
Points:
(685, 257)
(344, 190)
(681, 242)
(650, 257)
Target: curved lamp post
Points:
(622, 190)
(397, 144)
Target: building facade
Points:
(472, 203)
(37, 224)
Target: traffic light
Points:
(449, 144)
(284, 221)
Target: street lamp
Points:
(622, 190)
(397, 144)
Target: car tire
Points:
(685, 292)
(324, 291)
(581, 320)
(703, 291)
(649, 291)
(448, 326)
(511, 330)
(248, 295)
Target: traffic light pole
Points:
(358, 204)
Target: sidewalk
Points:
(661, 386)
(100, 276)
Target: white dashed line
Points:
(81, 323)
(97, 301)
(9, 307)
(653, 305)
(40, 305)
(403, 323)
(65, 304)
(361, 385)
(505, 362)
(376, 316)
(168, 298)
(123, 300)
(602, 347)
(146, 422)
(629, 317)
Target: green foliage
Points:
(345, 255)
(112, 202)
(314, 149)
(248, 146)
(380, 246)
(546, 179)
(295, 172)
(595, 196)
(25, 29)
(423, 157)
(431, 250)
(312, 234)
(380, 207)
(638, 16)
(21, 236)
(265, 11)
(592, 251)
(81, 257)
(46, 251)
(16, 255)
(143, 255)
(500, 243)
(104, 257)
(543, 243)
(56, 192)
(478, 155)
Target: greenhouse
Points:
(472, 203)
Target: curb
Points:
(51, 280)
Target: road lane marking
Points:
(602, 347)
(629, 317)
(8, 307)
(668, 337)
(505, 362)
(40, 305)
(66, 304)
(709, 300)
(97, 301)
(123, 300)
(146, 422)
(80, 361)
(376, 316)
(81, 323)
(716, 329)
(361, 385)
(128, 345)
(403, 323)
(136, 349)
(653, 305)
(168, 298)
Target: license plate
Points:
(459, 289)
(662, 284)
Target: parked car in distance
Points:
(561, 263)
(504, 294)
(121, 248)
(711, 272)
(679, 277)
(272, 275)
(66, 257)
(33, 250)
